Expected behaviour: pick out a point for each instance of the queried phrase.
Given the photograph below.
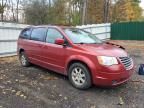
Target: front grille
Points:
(127, 62)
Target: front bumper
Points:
(112, 79)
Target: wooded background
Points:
(70, 12)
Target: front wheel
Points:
(79, 76)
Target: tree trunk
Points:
(13, 14)
(106, 10)
(84, 12)
(17, 11)
(2, 11)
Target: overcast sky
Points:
(142, 4)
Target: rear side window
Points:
(52, 35)
(25, 34)
(38, 34)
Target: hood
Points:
(103, 49)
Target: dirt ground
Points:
(35, 87)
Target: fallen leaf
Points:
(41, 84)
(88, 100)
(13, 91)
(38, 88)
(21, 95)
(25, 97)
(8, 89)
(93, 106)
(52, 95)
(4, 92)
(2, 87)
(18, 93)
(65, 98)
(121, 101)
(9, 82)
(54, 86)
(60, 95)
(49, 78)
(21, 75)
(1, 78)
(16, 80)
(139, 81)
(22, 81)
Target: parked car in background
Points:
(81, 56)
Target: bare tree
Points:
(12, 9)
(49, 4)
(17, 10)
(3, 5)
(36, 12)
(84, 11)
(106, 10)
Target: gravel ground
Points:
(35, 87)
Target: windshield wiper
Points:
(86, 43)
(80, 43)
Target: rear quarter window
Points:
(25, 34)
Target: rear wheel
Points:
(79, 76)
(24, 59)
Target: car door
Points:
(36, 44)
(54, 55)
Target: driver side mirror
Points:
(59, 41)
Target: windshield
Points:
(79, 36)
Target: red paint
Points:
(57, 57)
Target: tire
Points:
(24, 59)
(79, 76)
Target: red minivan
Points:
(81, 56)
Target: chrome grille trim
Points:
(127, 62)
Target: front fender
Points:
(83, 59)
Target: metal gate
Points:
(9, 33)
(127, 31)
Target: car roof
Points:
(54, 26)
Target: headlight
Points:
(108, 61)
